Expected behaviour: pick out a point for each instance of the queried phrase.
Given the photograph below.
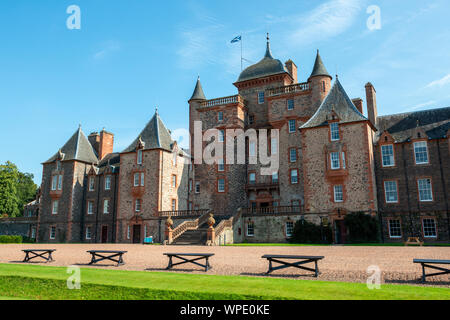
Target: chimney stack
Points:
(292, 69)
(94, 139)
(371, 98)
(106, 144)
(358, 102)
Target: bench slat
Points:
(431, 261)
(267, 256)
(106, 251)
(190, 254)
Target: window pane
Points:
(290, 104)
(221, 185)
(390, 189)
(335, 162)
(387, 154)
(338, 194)
(421, 152)
(294, 176)
(293, 155)
(260, 97)
(334, 127)
(395, 230)
(425, 190)
(429, 228)
(292, 126)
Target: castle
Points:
(333, 160)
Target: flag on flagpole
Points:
(237, 39)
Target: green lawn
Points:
(43, 282)
(393, 244)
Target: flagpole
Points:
(241, 52)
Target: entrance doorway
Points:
(104, 234)
(137, 233)
(340, 232)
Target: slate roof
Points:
(198, 92)
(319, 67)
(337, 101)
(434, 122)
(77, 148)
(266, 67)
(111, 160)
(154, 136)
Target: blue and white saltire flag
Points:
(237, 39)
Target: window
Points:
(52, 232)
(395, 230)
(293, 155)
(251, 119)
(60, 182)
(139, 157)
(429, 228)
(220, 116)
(54, 182)
(197, 187)
(174, 181)
(55, 207)
(128, 232)
(295, 203)
(335, 162)
(137, 206)
(58, 165)
(421, 152)
(221, 135)
(91, 183)
(294, 176)
(108, 183)
(220, 165)
(106, 206)
(142, 179)
(425, 190)
(221, 185)
(274, 146)
(252, 178)
(292, 125)
(390, 191)
(323, 86)
(136, 179)
(190, 185)
(174, 158)
(261, 97)
(90, 207)
(334, 130)
(174, 204)
(289, 228)
(250, 229)
(338, 194)
(88, 233)
(275, 177)
(252, 149)
(33, 233)
(387, 155)
(343, 160)
(290, 104)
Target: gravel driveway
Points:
(341, 263)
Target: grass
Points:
(47, 283)
(393, 244)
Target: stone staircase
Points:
(197, 237)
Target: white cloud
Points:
(420, 106)
(439, 83)
(327, 20)
(107, 47)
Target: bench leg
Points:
(317, 269)
(423, 274)
(26, 257)
(170, 263)
(270, 267)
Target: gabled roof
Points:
(319, 68)
(76, 148)
(154, 136)
(266, 67)
(435, 123)
(337, 102)
(198, 92)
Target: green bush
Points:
(362, 228)
(11, 239)
(307, 232)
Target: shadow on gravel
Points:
(31, 262)
(176, 270)
(274, 275)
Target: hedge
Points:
(11, 239)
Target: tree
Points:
(8, 189)
(16, 189)
(362, 227)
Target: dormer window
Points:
(334, 130)
(139, 156)
(58, 165)
(91, 183)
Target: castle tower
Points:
(320, 81)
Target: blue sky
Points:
(131, 56)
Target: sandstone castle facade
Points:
(335, 158)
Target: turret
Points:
(320, 81)
(194, 102)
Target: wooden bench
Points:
(428, 263)
(414, 240)
(45, 254)
(300, 260)
(100, 255)
(194, 257)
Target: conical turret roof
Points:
(319, 67)
(198, 92)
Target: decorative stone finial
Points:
(211, 220)
(169, 222)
